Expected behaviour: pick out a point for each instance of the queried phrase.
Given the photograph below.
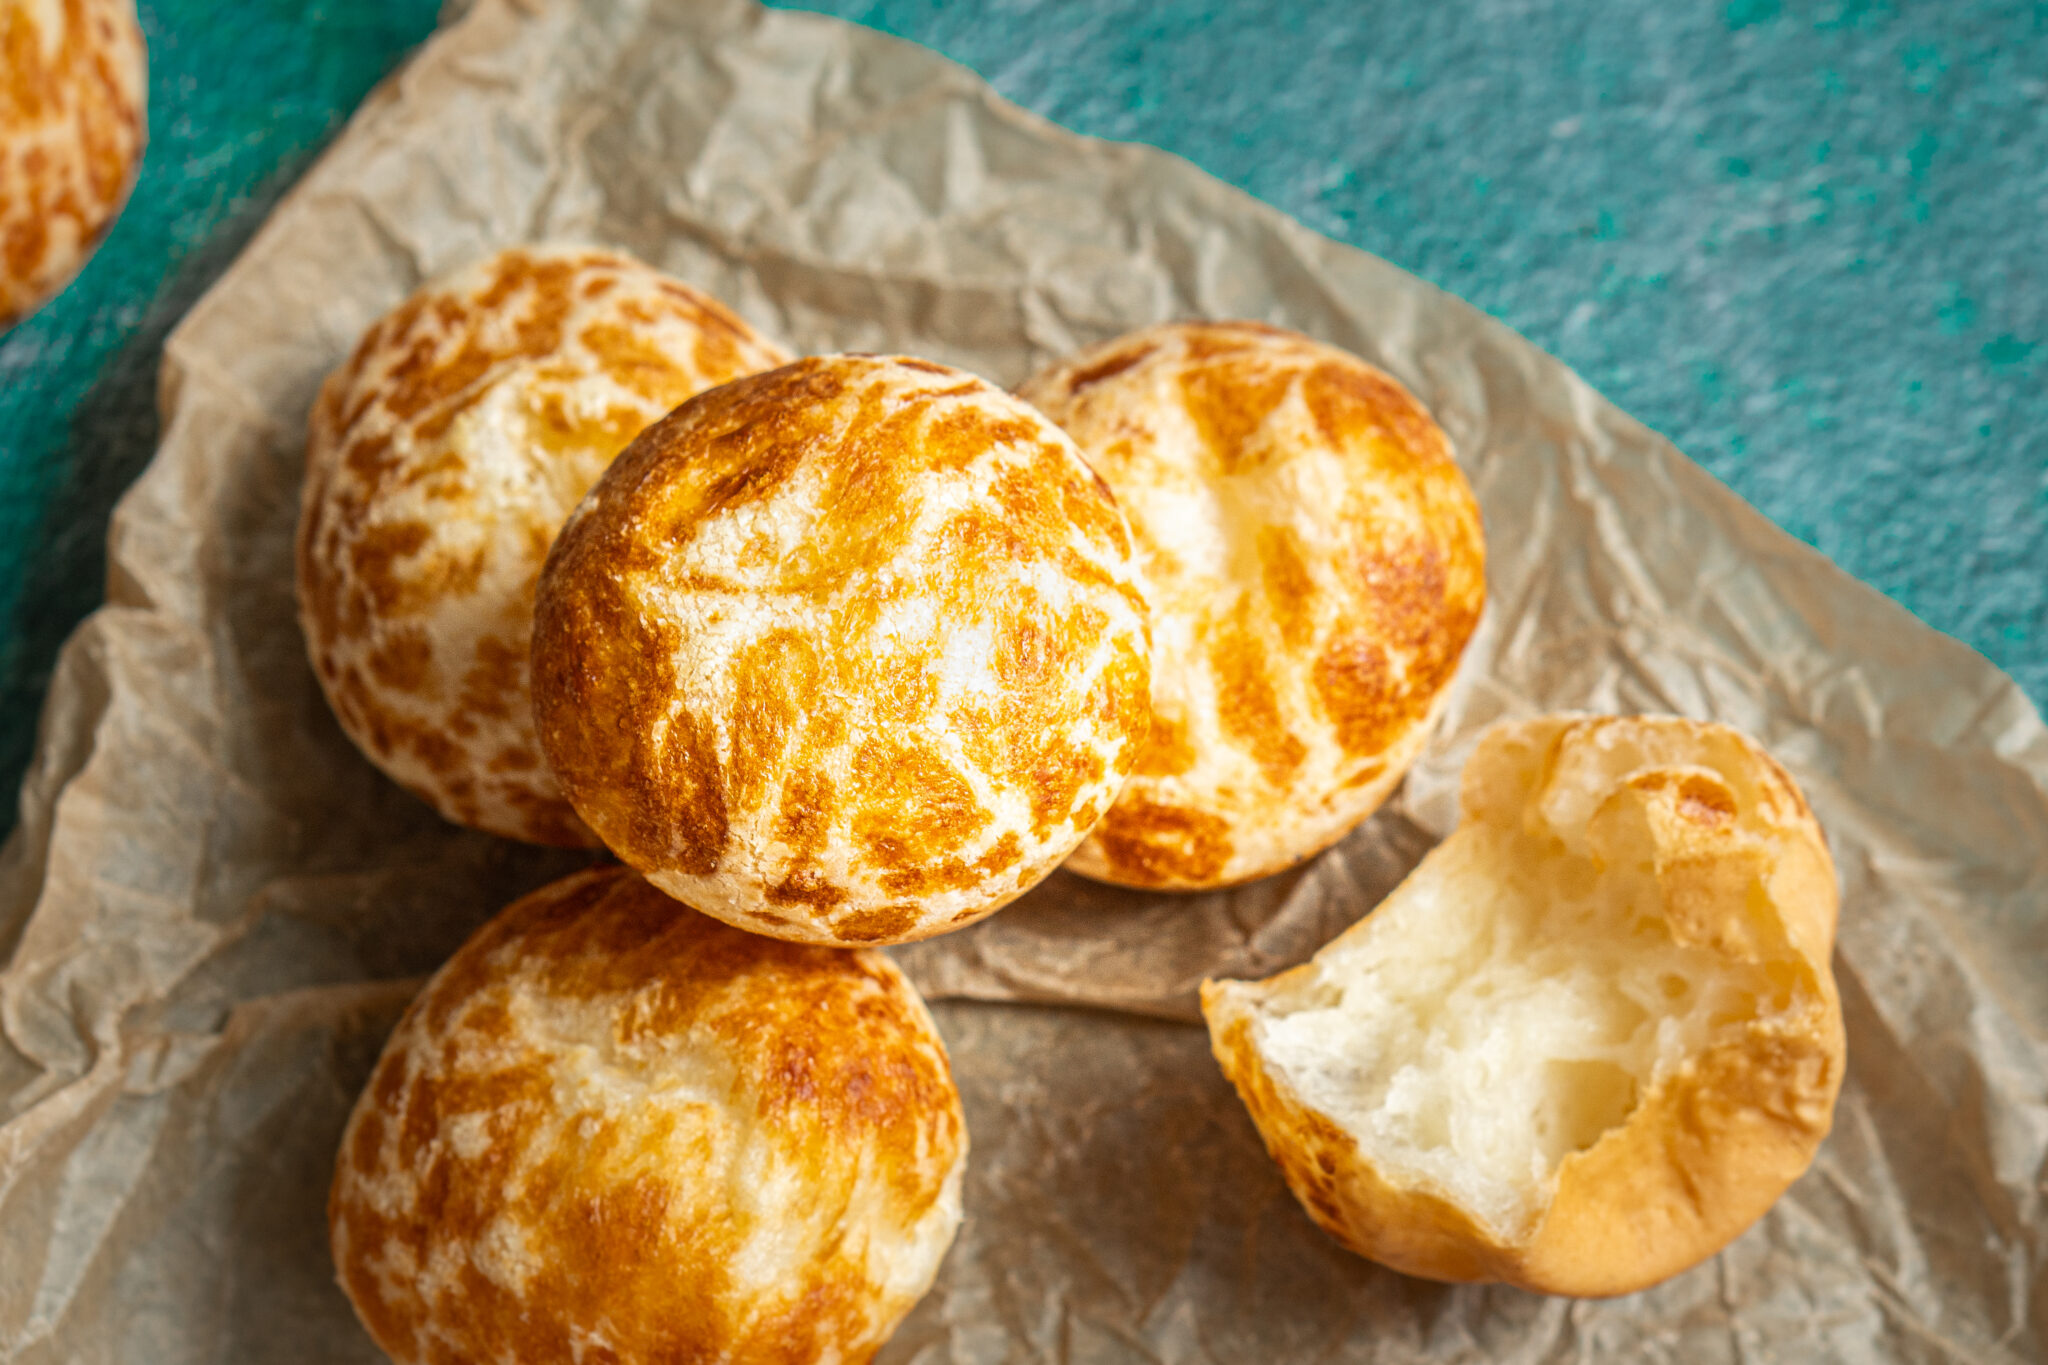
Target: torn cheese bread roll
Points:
(611, 1128)
(74, 93)
(848, 652)
(1588, 1041)
(1314, 563)
(442, 459)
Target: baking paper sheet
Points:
(213, 909)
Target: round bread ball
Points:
(1313, 560)
(73, 97)
(613, 1129)
(848, 652)
(440, 462)
(1588, 1041)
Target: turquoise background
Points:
(1805, 241)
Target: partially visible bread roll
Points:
(74, 92)
(442, 459)
(1314, 563)
(1587, 1042)
(613, 1129)
(849, 652)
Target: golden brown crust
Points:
(611, 1128)
(1315, 565)
(73, 94)
(849, 652)
(441, 460)
(1745, 872)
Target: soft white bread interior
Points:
(1589, 1040)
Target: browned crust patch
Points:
(491, 1202)
(72, 126)
(784, 568)
(1165, 843)
(442, 457)
(1299, 513)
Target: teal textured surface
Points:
(1802, 240)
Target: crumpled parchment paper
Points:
(213, 909)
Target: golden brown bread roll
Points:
(613, 1129)
(73, 98)
(847, 652)
(1314, 564)
(441, 460)
(1588, 1041)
